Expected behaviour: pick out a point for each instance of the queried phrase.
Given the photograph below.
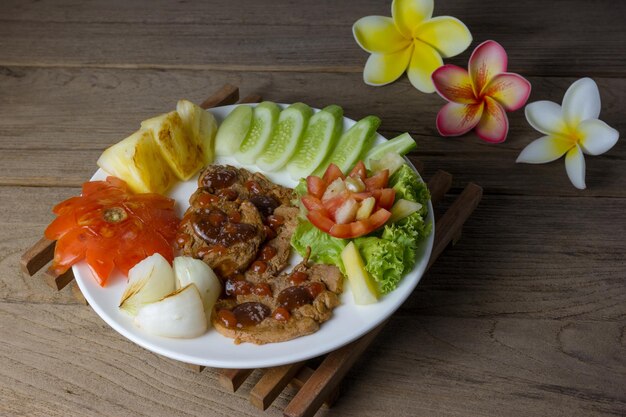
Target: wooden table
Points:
(524, 317)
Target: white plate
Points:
(348, 323)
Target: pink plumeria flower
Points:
(571, 130)
(411, 40)
(479, 98)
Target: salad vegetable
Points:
(109, 226)
(233, 131)
(319, 139)
(387, 253)
(364, 289)
(285, 139)
(171, 302)
(352, 145)
(264, 121)
(334, 200)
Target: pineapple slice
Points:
(200, 125)
(179, 149)
(138, 161)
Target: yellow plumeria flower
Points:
(411, 40)
(571, 130)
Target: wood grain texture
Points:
(287, 38)
(523, 317)
(76, 365)
(117, 100)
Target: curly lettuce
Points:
(384, 260)
(388, 253)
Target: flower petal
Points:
(424, 61)
(448, 35)
(544, 149)
(408, 14)
(381, 69)
(455, 119)
(453, 84)
(597, 136)
(494, 125)
(378, 34)
(581, 102)
(488, 60)
(545, 117)
(510, 90)
(575, 167)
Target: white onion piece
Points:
(148, 281)
(189, 270)
(179, 315)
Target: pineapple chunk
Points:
(363, 286)
(201, 125)
(179, 149)
(138, 161)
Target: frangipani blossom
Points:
(411, 40)
(571, 130)
(479, 98)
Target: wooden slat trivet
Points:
(317, 383)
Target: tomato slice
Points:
(332, 204)
(385, 197)
(377, 181)
(312, 203)
(360, 227)
(359, 171)
(320, 220)
(315, 186)
(362, 196)
(332, 173)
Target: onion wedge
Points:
(189, 270)
(148, 281)
(179, 315)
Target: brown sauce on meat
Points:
(266, 204)
(294, 297)
(213, 226)
(234, 287)
(250, 314)
(219, 178)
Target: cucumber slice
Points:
(401, 144)
(286, 137)
(233, 131)
(352, 145)
(264, 120)
(318, 140)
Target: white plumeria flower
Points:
(571, 130)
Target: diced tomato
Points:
(360, 227)
(359, 171)
(332, 204)
(332, 173)
(315, 186)
(385, 197)
(377, 181)
(320, 220)
(362, 196)
(312, 203)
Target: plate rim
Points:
(250, 363)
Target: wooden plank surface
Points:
(317, 37)
(523, 317)
(41, 104)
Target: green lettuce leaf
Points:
(325, 249)
(409, 186)
(383, 260)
